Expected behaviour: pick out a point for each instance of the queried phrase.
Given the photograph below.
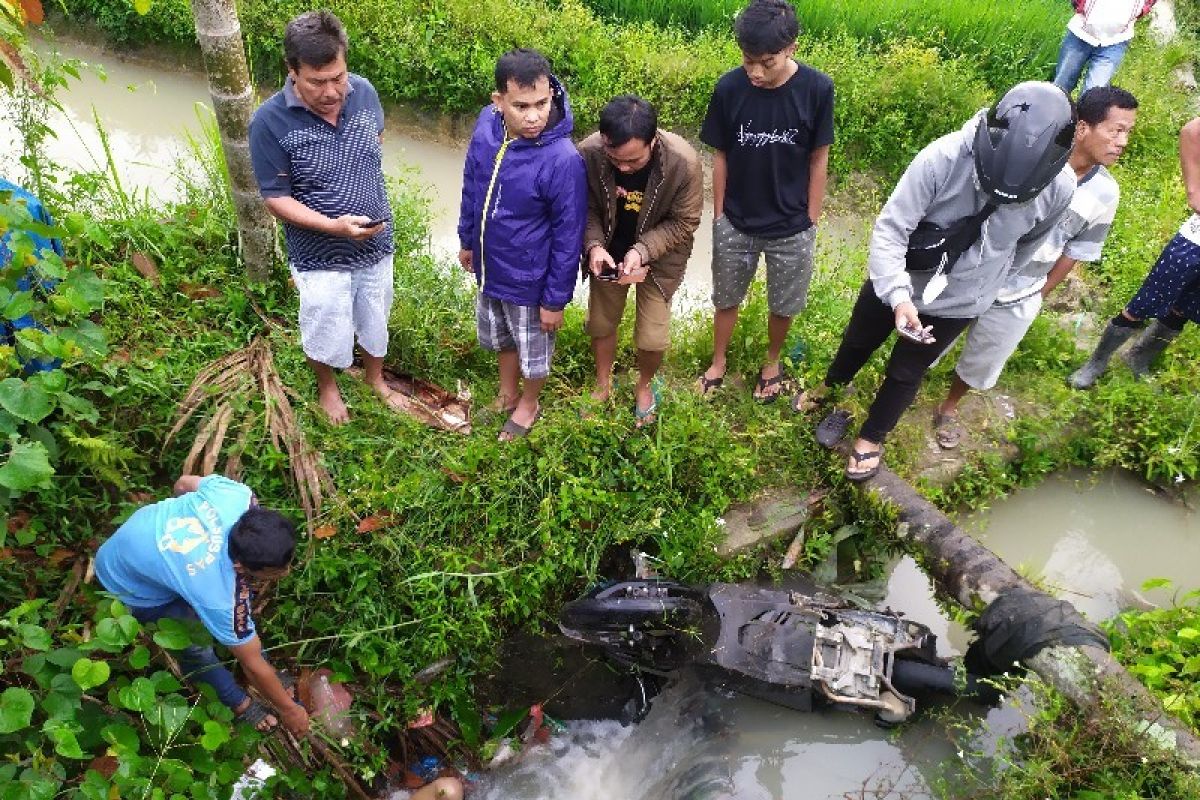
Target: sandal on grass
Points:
(946, 430)
(857, 458)
(515, 430)
(255, 715)
(705, 384)
(767, 390)
(833, 428)
(647, 416)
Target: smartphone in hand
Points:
(917, 334)
(374, 222)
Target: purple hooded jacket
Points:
(526, 248)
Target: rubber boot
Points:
(1152, 342)
(1114, 336)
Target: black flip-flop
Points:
(768, 383)
(858, 458)
(833, 428)
(708, 384)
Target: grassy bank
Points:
(1007, 42)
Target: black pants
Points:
(871, 322)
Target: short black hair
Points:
(262, 539)
(523, 67)
(626, 117)
(314, 38)
(1093, 105)
(766, 26)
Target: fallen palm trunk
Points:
(970, 573)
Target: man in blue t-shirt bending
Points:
(194, 557)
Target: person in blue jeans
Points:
(196, 556)
(1096, 39)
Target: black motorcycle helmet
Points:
(1024, 141)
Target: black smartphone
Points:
(608, 273)
(374, 222)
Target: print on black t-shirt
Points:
(767, 136)
(631, 189)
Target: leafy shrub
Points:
(45, 415)
(78, 719)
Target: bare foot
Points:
(332, 404)
(390, 396)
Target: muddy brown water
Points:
(1093, 539)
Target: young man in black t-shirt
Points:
(770, 124)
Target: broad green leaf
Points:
(27, 466)
(1188, 633)
(137, 696)
(123, 738)
(215, 735)
(64, 657)
(142, 6)
(6, 76)
(164, 682)
(169, 714)
(16, 709)
(35, 637)
(18, 306)
(65, 743)
(140, 657)
(117, 631)
(58, 705)
(53, 381)
(79, 407)
(1156, 583)
(172, 635)
(89, 674)
(25, 399)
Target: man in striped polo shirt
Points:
(1106, 116)
(316, 150)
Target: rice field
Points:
(1006, 41)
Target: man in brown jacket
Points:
(645, 191)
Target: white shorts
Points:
(337, 305)
(992, 339)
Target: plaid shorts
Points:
(508, 326)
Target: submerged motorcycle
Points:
(786, 647)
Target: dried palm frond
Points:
(230, 383)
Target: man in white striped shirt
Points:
(1106, 116)
(1097, 38)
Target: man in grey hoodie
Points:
(1003, 175)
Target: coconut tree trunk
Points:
(968, 572)
(220, 37)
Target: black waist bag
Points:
(931, 246)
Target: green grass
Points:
(1008, 42)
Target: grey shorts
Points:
(992, 339)
(336, 306)
(507, 326)
(735, 260)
